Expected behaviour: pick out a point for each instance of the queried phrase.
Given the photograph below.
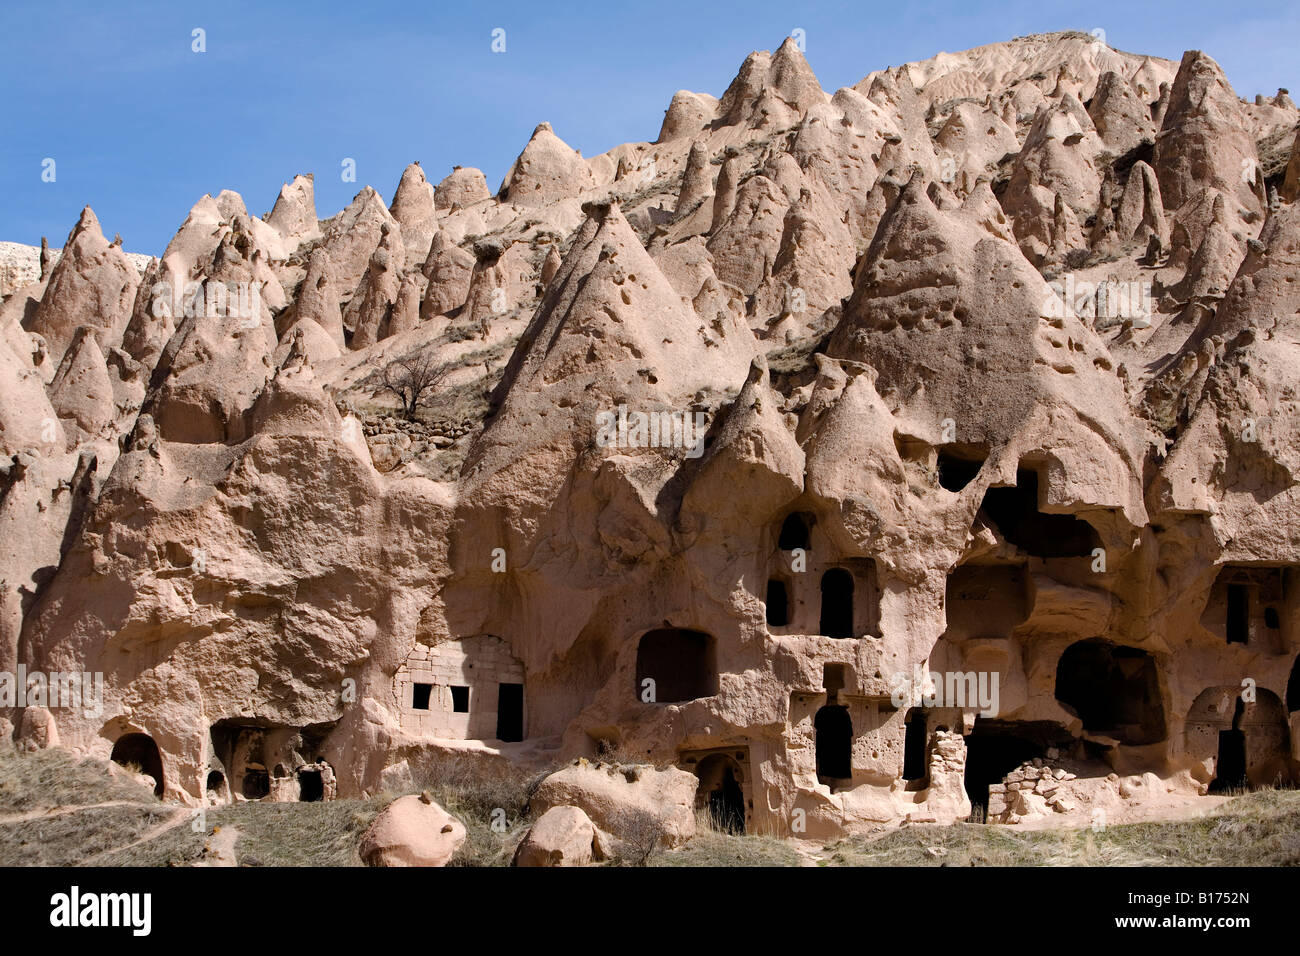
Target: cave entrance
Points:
(510, 712)
(140, 750)
(257, 782)
(837, 604)
(1114, 689)
(311, 787)
(996, 747)
(721, 792)
(1015, 513)
(833, 729)
(681, 663)
(216, 782)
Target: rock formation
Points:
(920, 449)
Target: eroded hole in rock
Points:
(140, 750)
(1015, 513)
(778, 603)
(1114, 689)
(311, 787)
(682, 664)
(794, 531)
(834, 738)
(459, 699)
(958, 465)
(216, 781)
(837, 604)
(510, 712)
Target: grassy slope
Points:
(50, 814)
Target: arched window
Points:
(794, 531)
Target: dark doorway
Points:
(778, 604)
(1293, 688)
(420, 696)
(311, 787)
(510, 712)
(460, 700)
(216, 781)
(833, 729)
(727, 805)
(914, 745)
(837, 603)
(1230, 768)
(794, 532)
(1114, 689)
(682, 664)
(721, 792)
(257, 783)
(990, 756)
(139, 750)
(1238, 614)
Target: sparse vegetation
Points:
(54, 813)
(411, 378)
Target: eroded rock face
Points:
(828, 454)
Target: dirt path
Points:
(178, 817)
(63, 811)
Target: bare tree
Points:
(410, 378)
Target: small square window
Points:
(460, 700)
(420, 696)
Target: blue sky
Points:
(140, 126)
